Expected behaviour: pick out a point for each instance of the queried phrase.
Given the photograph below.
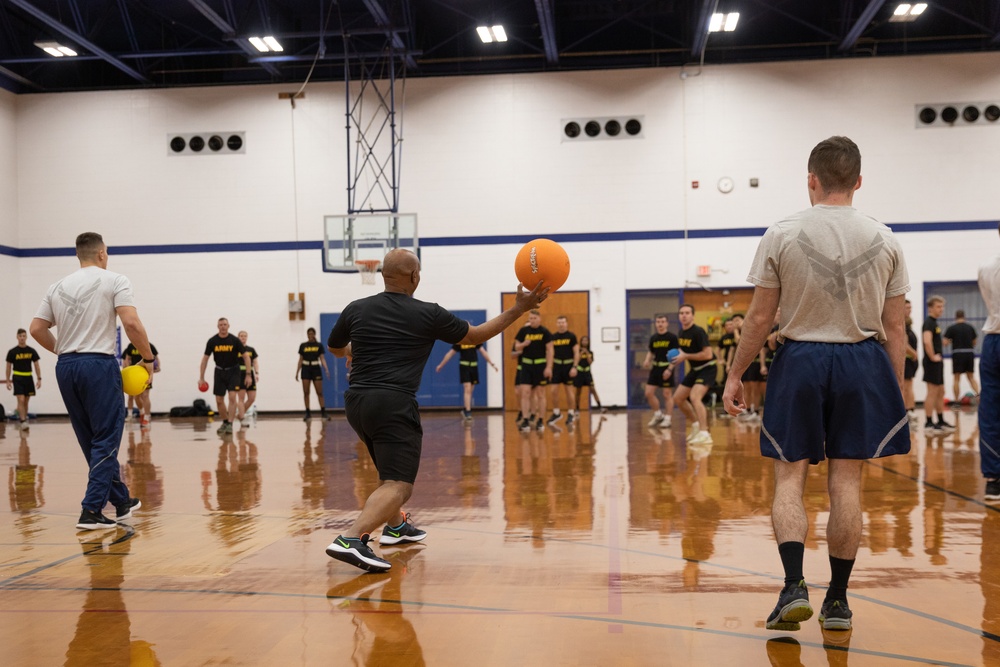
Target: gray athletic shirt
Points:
(82, 307)
(835, 267)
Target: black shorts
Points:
(655, 378)
(933, 372)
(518, 374)
(533, 374)
(310, 372)
(963, 362)
(752, 373)
(468, 374)
(909, 368)
(583, 378)
(24, 385)
(388, 423)
(560, 373)
(227, 379)
(704, 376)
(253, 380)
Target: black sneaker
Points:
(944, 427)
(793, 607)
(355, 551)
(307, 416)
(569, 419)
(525, 425)
(834, 615)
(539, 425)
(992, 490)
(90, 520)
(401, 534)
(554, 418)
(124, 511)
(467, 415)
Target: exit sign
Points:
(704, 270)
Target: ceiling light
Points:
(723, 22)
(55, 49)
(273, 43)
(259, 44)
(492, 34)
(907, 12)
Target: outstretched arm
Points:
(525, 301)
(447, 357)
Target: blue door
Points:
(436, 389)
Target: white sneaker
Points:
(701, 438)
(665, 423)
(695, 427)
(657, 418)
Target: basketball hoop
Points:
(367, 268)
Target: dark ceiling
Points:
(172, 43)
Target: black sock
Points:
(792, 554)
(840, 573)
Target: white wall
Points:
(10, 292)
(483, 156)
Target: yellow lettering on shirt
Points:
(561, 341)
(22, 355)
(311, 348)
(467, 347)
(661, 343)
(685, 342)
(537, 336)
(223, 348)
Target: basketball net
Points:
(368, 268)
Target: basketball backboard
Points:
(348, 239)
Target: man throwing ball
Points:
(388, 338)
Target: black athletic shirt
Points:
(253, 355)
(962, 337)
(562, 345)
(467, 353)
(20, 358)
(931, 324)
(659, 344)
(226, 351)
(391, 337)
(726, 343)
(133, 352)
(310, 351)
(586, 359)
(538, 336)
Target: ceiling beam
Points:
(860, 25)
(788, 15)
(10, 80)
(77, 38)
(229, 33)
(701, 28)
(547, 23)
(378, 13)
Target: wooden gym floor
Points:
(607, 544)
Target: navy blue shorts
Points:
(833, 400)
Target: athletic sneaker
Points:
(228, 426)
(944, 427)
(125, 511)
(355, 551)
(556, 416)
(992, 490)
(524, 425)
(665, 423)
(835, 615)
(221, 429)
(569, 418)
(695, 428)
(539, 425)
(793, 607)
(24, 425)
(701, 438)
(90, 520)
(406, 532)
(143, 421)
(657, 418)
(307, 416)
(467, 415)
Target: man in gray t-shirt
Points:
(83, 307)
(834, 387)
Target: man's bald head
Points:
(401, 271)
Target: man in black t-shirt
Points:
(388, 338)
(131, 356)
(19, 361)
(565, 357)
(727, 346)
(248, 392)
(228, 352)
(697, 351)
(934, 368)
(661, 373)
(537, 354)
(961, 336)
(468, 371)
(312, 367)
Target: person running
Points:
(19, 361)
(584, 376)
(312, 368)
(989, 373)
(131, 357)
(389, 337)
(910, 365)
(565, 358)
(840, 278)
(248, 392)
(468, 371)
(934, 368)
(227, 351)
(535, 344)
(697, 351)
(661, 373)
(961, 337)
(84, 307)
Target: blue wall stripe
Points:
(444, 241)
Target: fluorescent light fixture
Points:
(907, 12)
(492, 34)
(723, 22)
(55, 49)
(273, 43)
(259, 44)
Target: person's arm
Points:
(256, 369)
(322, 363)
(447, 357)
(550, 355)
(298, 367)
(894, 323)
(40, 330)
(38, 375)
(929, 347)
(756, 326)
(201, 372)
(337, 352)
(524, 302)
(156, 362)
(9, 383)
(706, 354)
(482, 351)
(247, 365)
(648, 361)
(911, 352)
(136, 333)
(576, 360)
